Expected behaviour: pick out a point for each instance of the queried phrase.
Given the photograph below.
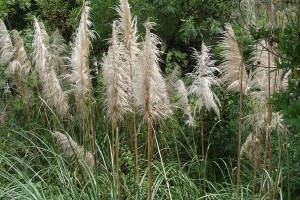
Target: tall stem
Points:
(202, 133)
(118, 163)
(90, 86)
(240, 114)
(281, 142)
(269, 151)
(149, 160)
(137, 173)
(113, 154)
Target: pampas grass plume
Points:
(73, 150)
(203, 79)
(233, 62)
(52, 90)
(21, 62)
(6, 47)
(78, 63)
(152, 92)
(183, 102)
(116, 80)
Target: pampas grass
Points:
(19, 68)
(261, 72)
(183, 102)
(152, 93)
(203, 79)
(6, 47)
(72, 150)
(128, 36)
(52, 91)
(233, 62)
(21, 62)
(116, 82)
(58, 49)
(79, 76)
(172, 79)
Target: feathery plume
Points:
(73, 150)
(116, 80)
(127, 28)
(261, 72)
(203, 78)
(183, 102)
(259, 117)
(172, 78)
(42, 57)
(21, 62)
(44, 34)
(6, 47)
(58, 49)
(252, 146)
(53, 92)
(128, 36)
(231, 67)
(78, 63)
(152, 92)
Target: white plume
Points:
(203, 79)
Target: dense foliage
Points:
(93, 107)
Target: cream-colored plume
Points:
(73, 150)
(252, 146)
(116, 80)
(152, 94)
(52, 91)
(41, 54)
(19, 68)
(233, 63)
(259, 117)
(6, 47)
(127, 28)
(203, 79)
(79, 76)
(21, 62)
(183, 102)
(58, 50)
(172, 79)
(261, 72)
